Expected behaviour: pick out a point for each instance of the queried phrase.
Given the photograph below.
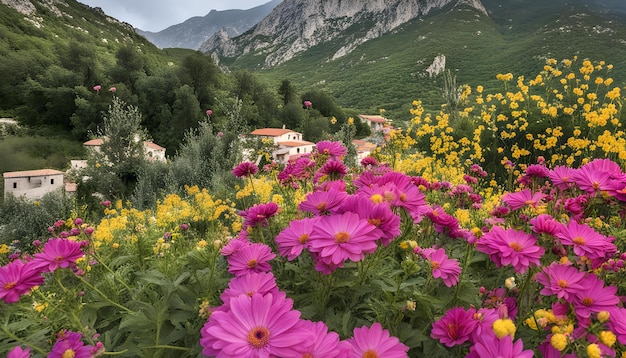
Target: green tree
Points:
(287, 92)
(199, 72)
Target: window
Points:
(15, 185)
(51, 181)
(297, 150)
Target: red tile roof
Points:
(375, 119)
(271, 132)
(153, 145)
(31, 173)
(94, 142)
(295, 143)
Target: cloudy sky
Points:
(156, 15)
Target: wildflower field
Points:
(494, 229)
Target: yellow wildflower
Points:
(593, 351)
(558, 341)
(503, 327)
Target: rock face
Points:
(295, 26)
(27, 7)
(196, 30)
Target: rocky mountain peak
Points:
(295, 26)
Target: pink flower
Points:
(617, 323)
(376, 342)
(70, 344)
(235, 244)
(545, 224)
(490, 346)
(209, 112)
(443, 267)
(257, 326)
(455, 327)
(16, 279)
(561, 177)
(249, 284)
(533, 172)
(58, 253)
(334, 169)
(323, 202)
(485, 318)
(586, 241)
(331, 149)
(594, 297)
(97, 88)
(591, 180)
(379, 215)
(562, 281)
(523, 198)
(511, 247)
(245, 169)
(251, 258)
(326, 344)
(307, 104)
(369, 161)
(18, 352)
(295, 237)
(258, 214)
(113, 89)
(337, 238)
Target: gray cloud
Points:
(156, 15)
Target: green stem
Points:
(104, 296)
(21, 341)
(162, 346)
(115, 275)
(468, 252)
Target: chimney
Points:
(283, 126)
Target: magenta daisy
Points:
(490, 346)
(545, 224)
(70, 344)
(485, 318)
(379, 215)
(534, 172)
(16, 279)
(443, 222)
(617, 323)
(258, 214)
(18, 352)
(561, 177)
(245, 169)
(333, 169)
(511, 247)
(251, 258)
(257, 326)
(235, 244)
(369, 161)
(332, 149)
(594, 297)
(523, 198)
(560, 280)
(249, 284)
(590, 180)
(586, 241)
(323, 202)
(58, 253)
(376, 342)
(443, 267)
(455, 327)
(337, 238)
(295, 237)
(325, 343)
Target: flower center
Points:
(342, 237)
(370, 354)
(69, 354)
(453, 330)
(252, 263)
(303, 239)
(579, 240)
(321, 206)
(259, 337)
(376, 198)
(308, 355)
(562, 283)
(516, 246)
(402, 197)
(58, 258)
(376, 221)
(434, 265)
(587, 301)
(596, 185)
(530, 202)
(9, 285)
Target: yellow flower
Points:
(115, 245)
(4, 249)
(608, 338)
(603, 316)
(503, 327)
(558, 341)
(593, 351)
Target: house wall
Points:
(32, 187)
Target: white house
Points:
(32, 184)
(288, 143)
(152, 151)
(363, 148)
(376, 123)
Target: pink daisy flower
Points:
(376, 342)
(379, 215)
(560, 280)
(548, 351)
(617, 323)
(586, 241)
(485, 318)
(295, 237)
(251, 258)
(325, 343)
(18, 278)
(490, 346)
(443, 222)
(443, 267)
(591, 180)
(235, 244)
(455, 327)
(369, 161)
(511, 247)
(365, 180)
(323, 202)
(523, 198)
(332, 149)
(561, 177)
(257, 326)
(534, 172)
(70, 344)
(258, 214)
(249, 284)
(337, 238)
(18, 352)
(334, 169)
(594, 297)
(545, 224)
(58, 253)
(245, 169)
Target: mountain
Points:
(195, 31)
(373, 54)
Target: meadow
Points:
(493, 227)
